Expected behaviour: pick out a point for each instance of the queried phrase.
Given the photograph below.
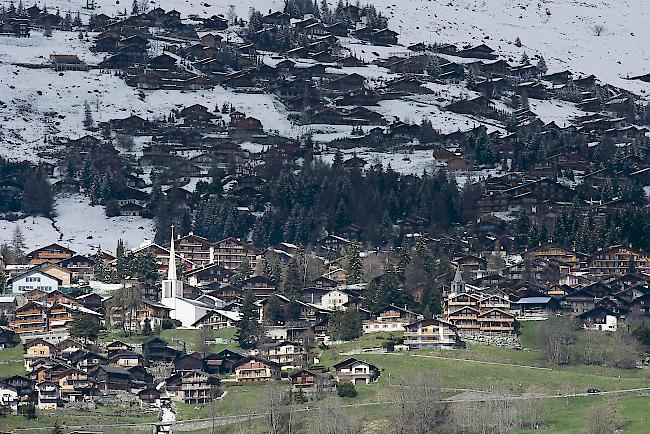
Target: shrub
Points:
(346, 390)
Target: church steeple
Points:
(171, 269)
(172, 287)
(458, 285)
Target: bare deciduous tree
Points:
(372, 266)
(333, 419)
(499, 412)
(603, 418)
(418, 407)
(275, 406)
(598, 29)
(556, 336)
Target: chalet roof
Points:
(596, 311)
(352, 361)
(257, 359)
(52, 246)
(534, 300)
(427, 322)
(68, 59)
(115, 370)
(35, 270)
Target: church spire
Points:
(171, 269)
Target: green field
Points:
(477, 368)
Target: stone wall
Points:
(497, 339)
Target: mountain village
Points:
(194, 207)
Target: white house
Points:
(356, 371)
(34, 279)
(9, 397)
(335, 299)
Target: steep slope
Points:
(560, 30)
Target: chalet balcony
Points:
(430, 340)
(20, 321)
(195, 388)
(496, 329)
(463, 318)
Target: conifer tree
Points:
(244, 271)
(249, 330)
(294, 310)
(120, 261)
(88, 116)
(38, 198)
(273, 312)
(18, 246)
(291, 279)
(99, 269)
(353, 266)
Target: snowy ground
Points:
(564, 35)
(48, 102)
(81, 227)
(37, 102)
(405, 162)
(560, 30)
(416, 108)
(560, 112)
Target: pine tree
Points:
(291, 279)
(541, 65)
(99, 269)
(3, 282)
(244, 271)
(351, 325)
(338, 159)
(325, 12)
(273, 312)
(38, 198)
(146, 328)
(249, 331)
(77, 20)
(294, 310)
(67, 22)
(85, 326)
(88, 116)
(120, 261)
(18, 246)
(353, 266)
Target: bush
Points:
(346, 390)
(112, 209)
(29, 411)
(168, 324)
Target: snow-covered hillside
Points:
(35, 102)
(80, 227)
(560, 30)
(41, 101)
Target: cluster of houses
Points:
(71, 373)
(55, 285)
(600, 291)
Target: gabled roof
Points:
(502, 312)
(53, 246)
(352, 361)
(257, 359)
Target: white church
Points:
(185, 310)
